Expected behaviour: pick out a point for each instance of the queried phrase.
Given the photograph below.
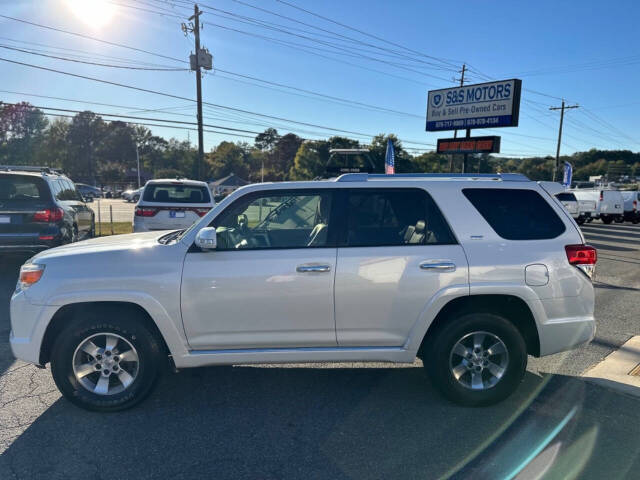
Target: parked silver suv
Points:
(469, 273)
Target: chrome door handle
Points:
(313, 268)
(442, 266)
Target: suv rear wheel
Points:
(105, 364)
(476, 359)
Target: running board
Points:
(198, 358)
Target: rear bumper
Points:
(566, 334)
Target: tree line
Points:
(99, 152)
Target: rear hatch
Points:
(173, 205)
(21, 198)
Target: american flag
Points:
(389, 159)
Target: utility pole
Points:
(562, 109)
(455, 132)
(201, 59)
(196, 32)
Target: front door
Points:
(269, 284)
(397, 253)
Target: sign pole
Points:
(455, 132)
(466, 155)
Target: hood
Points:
(132, 241)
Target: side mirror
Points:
(87, 199)
(206, 238)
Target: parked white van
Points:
(609, 203)
(631, 201)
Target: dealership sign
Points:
(484, 105)
(469, 145)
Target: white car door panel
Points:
(382, 291)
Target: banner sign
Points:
(469, 145)
(568, 175)
(484, 105)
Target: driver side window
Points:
(277, 219)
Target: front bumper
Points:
(28, 325)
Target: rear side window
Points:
(15, 190)
(516, 214)
(566, 197)
(169, 193)
(394, 217)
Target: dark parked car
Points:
(39, 209)
(88, 192)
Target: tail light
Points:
(601, 195)
(146, 211)
(584, 257)
(635, 205)
(201, 211)
(49, 215)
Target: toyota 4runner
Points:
(468, 273)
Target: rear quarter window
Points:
(516, 214)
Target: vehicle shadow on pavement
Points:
(254, 422)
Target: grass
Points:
(118, 228)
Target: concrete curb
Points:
(614, 371)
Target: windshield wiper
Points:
(170, 236)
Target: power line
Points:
(127, 67)
(139, 118)
(108, 82)
(93, 38)
(368, 34)
(287, 30)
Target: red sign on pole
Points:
(469, 145)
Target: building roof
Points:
(229, 181)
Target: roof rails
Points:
(364, 177)
(30, 168)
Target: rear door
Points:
(21, 196)
(397, 252)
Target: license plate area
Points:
(4, 219)
(176, 214)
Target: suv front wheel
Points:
(476, 359)
(105, 364)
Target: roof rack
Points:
(364, 177)
(30, 168)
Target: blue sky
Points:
(586, 52)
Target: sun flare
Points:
(95, 13)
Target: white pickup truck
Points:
(609, 203)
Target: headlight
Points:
(30, 273)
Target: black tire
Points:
(590, 219)
(437, 358)
(580, 221)
(606, 220)
(147, 347)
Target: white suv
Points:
(171, 204)
(468, 273)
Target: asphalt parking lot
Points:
(339, 421)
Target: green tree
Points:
(267, 140)
(310, 160)
(228, 158)
(84, 139)
(22, 129)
